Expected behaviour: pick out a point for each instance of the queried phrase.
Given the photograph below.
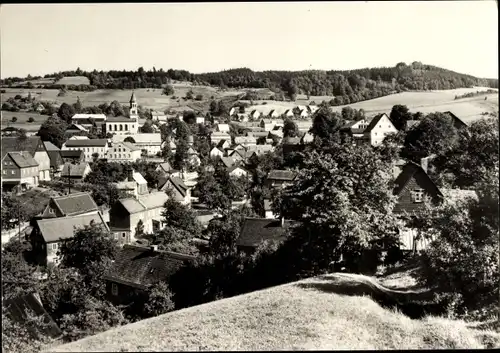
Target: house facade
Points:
(89, 148)
(35, 147)
(19, 168)
(280, 178)
(123, 152)
(380, 126)
(218, 136)
(215, 152)
(125, 214)
(181, 192)
(75, 172)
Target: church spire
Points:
(133, 105)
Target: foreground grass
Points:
(328, 312)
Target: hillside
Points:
(328, 312)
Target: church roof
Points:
(132, 98)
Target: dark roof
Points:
(49, 146)
(141, 267)
(86, 142)
(17, 308)
(74, 169)
(179, 185)
(74, 204)
(166, 167)
(457, 121)
(60, 228)
(119, 119)
(23, 159)
(221, 143)
(10, 144)
(407, 173)
(286, 175)
(227, 161)
(374, 122)
(291, 141)
(256, 230)
(71, 153)
(55, 158)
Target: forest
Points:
(347, 86)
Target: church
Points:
(121, 125)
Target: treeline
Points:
(351, 85)
(474, 94)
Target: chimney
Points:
(154, 247)
(424, 163)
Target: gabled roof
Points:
(458, 122)
(55, 158)
(77, 127)
(86, 143)
(256, 230)
(23, 159)
(227, 161)
(74, 204)
(179, 185)
(285, 175)
(408, 171)
(55, 229)
(32, 144)
(375, 121)
(142, 267)
(412, 123)
(221, 143)
(138, 178)
(166, 167)
(89, 116)
(130, 146)
(234, 167)
(120, 119)
(17, 308)
(49, 146)
(77, 170)
(142, 138)
(144, 202)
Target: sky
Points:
(39, 39)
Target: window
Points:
(54, 246)
(418, 195)
(51, 210)
(123, 235)
(12, 172)
(114, 289)
(4, 171)
(126, 127)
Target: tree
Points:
(30, 119)
(290, 128)
(462, 260)
(53, 130)
(189, 94)
(66, 112)
(468, 162)
(181, 155)
(147, 128)
(78, 105)
(212, 193)
(168, 90)
(348, 113)
(326, 125)
(159, 300)
(400, 114)
(341, 202)
(177, 215)
(14, 119)
(435, 134)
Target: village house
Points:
(215, 152)
(260, 149)
(19, 168)
(457, 122)
(237, 171)
(216, 137)
(123, 152)
(273, 114)
(88, 121)
(280, 178)
(256, 230)
(181, 192)
(166, 169)
(224, 144)
(90, 148)
(134, 184)
(137, 268)
(200, 120)
(304, 125)
(35, 147)
(222, 128)
(380, 126)
(56, 161)
(267, 124)
(228, 162)
(158, 116)
(268, 211)
(245, 140)
(75, 172)
(303, 113)
(288, 113)
(254, 114)
(151, 143)
(77, 204)
(76, 129)
(72, 156)
(48, 233)
(125, 215)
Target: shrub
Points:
(14, 119)
(30, 120)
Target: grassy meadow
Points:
(330, 312)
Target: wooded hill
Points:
(347, 86)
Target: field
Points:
(425, 102)
(22, 120)
(336, 311)
(74, 80)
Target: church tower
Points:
(133, 106)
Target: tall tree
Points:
(53, 130)
(290, 128)
(400, 114)
(66, 112)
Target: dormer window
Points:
(51, 210)
(418, 195)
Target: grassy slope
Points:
(327, 312)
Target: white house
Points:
(124, 152)
(89, 147)
(217, 136)
(255, 114)
(223, 128)
(216, 152)
(304, 125)
(150, 142)
(245, 140)
(134, 185)
(380, 126)
(288, 113)
(83, 119)
(236, 171)
(158, 116)
(273, 114)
